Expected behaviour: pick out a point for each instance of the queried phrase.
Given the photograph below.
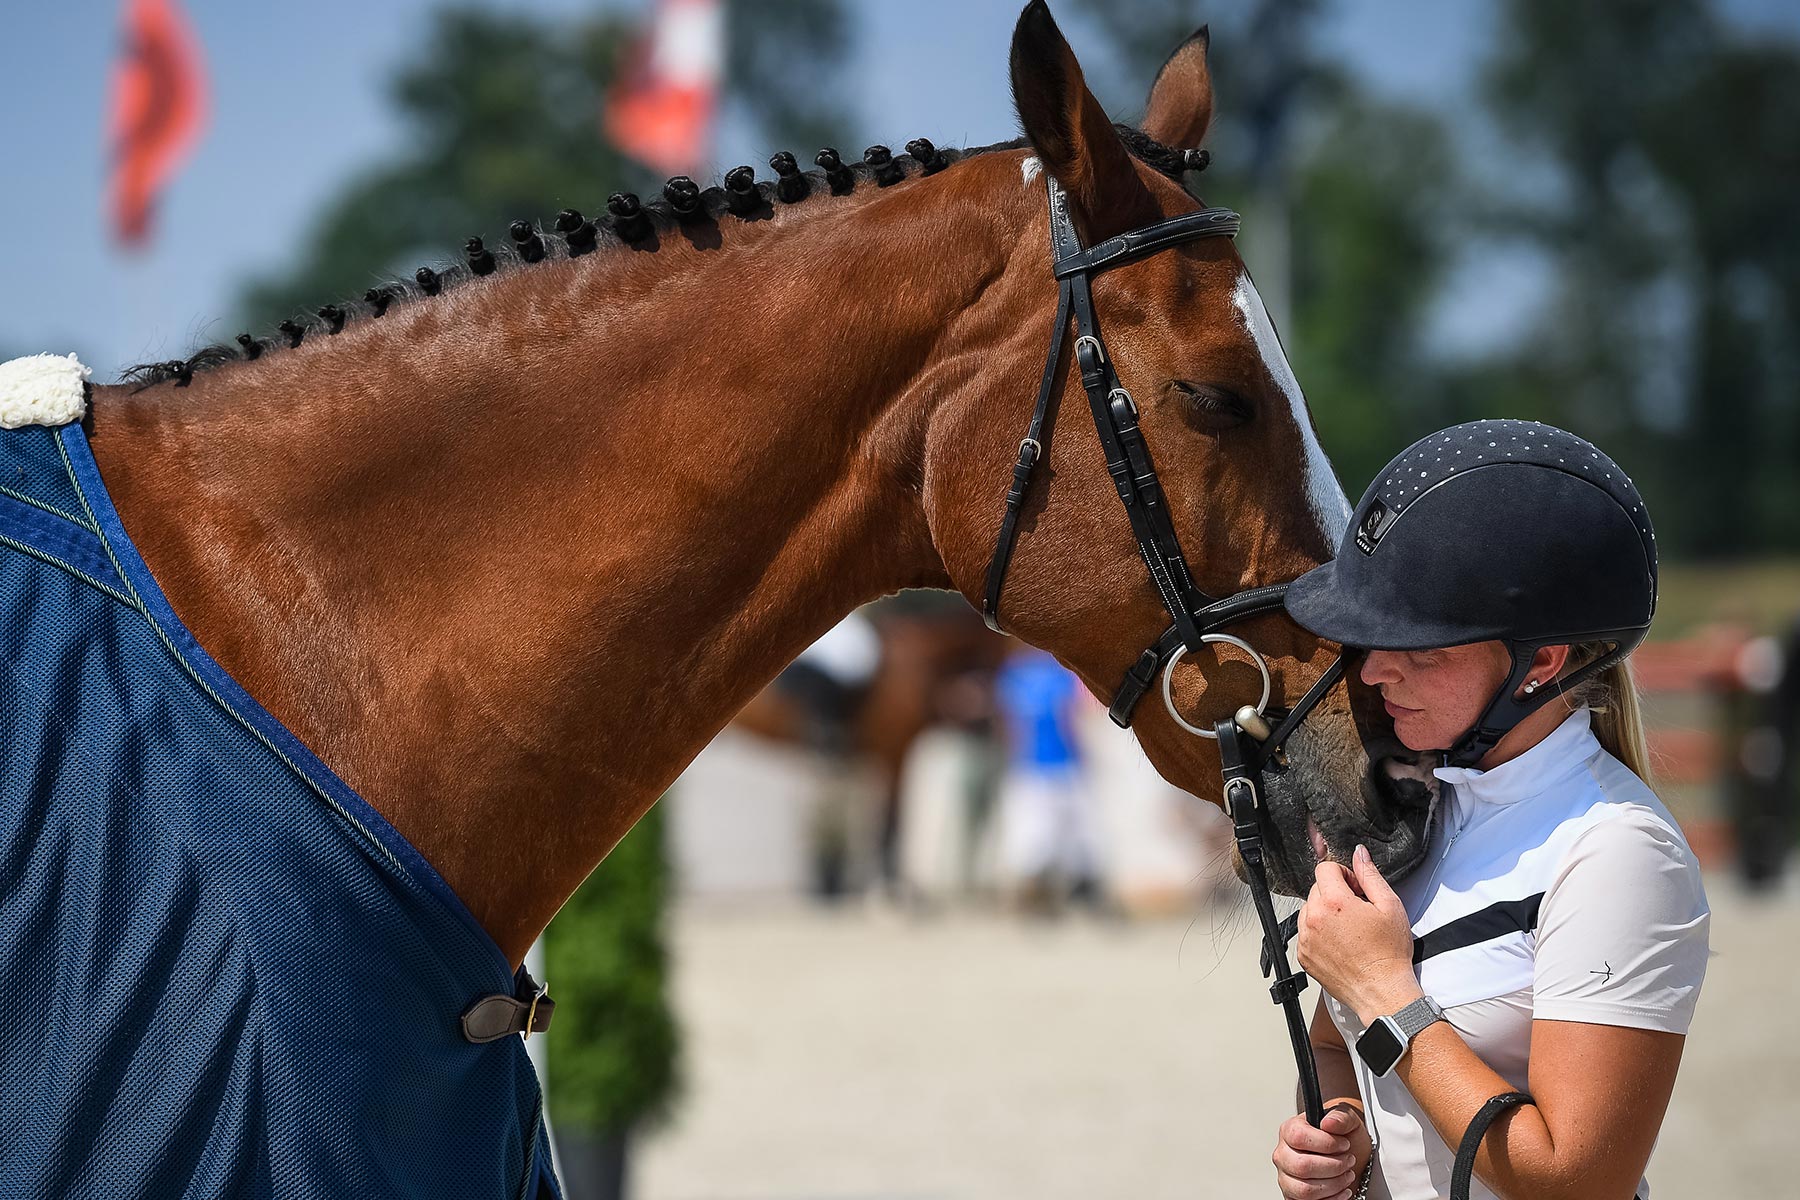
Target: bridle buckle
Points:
(1239, 788)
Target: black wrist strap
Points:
(1471, 1143)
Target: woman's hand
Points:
(1320, 1164)
(1356, 939)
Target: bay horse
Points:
(504, 550)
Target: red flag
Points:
(158, 106)
(661, 110)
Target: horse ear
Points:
(1073, 137)
(1181, 99)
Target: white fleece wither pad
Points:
(42, 389)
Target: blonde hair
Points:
(1612, 695)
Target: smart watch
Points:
(1384, 1042)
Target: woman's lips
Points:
(1396, 710)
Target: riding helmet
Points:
(1493, 530)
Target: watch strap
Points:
(1417, 1016)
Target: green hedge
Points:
(614, 1049)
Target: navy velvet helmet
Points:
(1494, 530)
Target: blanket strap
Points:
(528, 1010)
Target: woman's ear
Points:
(1547, 664)
(1072, 135)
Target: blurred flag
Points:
(158, 106)
(661, 110)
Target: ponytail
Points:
(1612, 698)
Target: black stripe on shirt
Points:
(1507, 916)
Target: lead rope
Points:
(1244, 804)
(1241, 765)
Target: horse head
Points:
(1252, 498)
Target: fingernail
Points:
(1362, 852)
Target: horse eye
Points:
(1218, 407)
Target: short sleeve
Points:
(1622, 931)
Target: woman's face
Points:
(1434, 696)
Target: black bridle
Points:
(1247, 745)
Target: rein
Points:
(1247, 745)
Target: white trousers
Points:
(1046, 826)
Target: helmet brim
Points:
(1320, 602)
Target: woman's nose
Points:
(1378, 667)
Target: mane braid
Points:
(1164, 160)
(572, 236)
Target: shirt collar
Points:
(1562, 752)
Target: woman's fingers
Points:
(1298, 1134)
(1331, 882)
(1311, 1166)
(1327, 1189)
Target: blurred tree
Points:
(1676, 254)
(1658, 150)
(613, 1057)
(784, 65)
(501, 113)
(1372, 193)
(1730, 147)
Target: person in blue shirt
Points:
(1046, 845)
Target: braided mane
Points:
(630, 224)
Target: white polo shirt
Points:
(1556, 886)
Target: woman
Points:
(1553, 939)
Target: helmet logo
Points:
(1374, 525)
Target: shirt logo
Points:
(1608, 972)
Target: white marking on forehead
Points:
(1030, 169)
(1329, 504)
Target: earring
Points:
(1531, 685)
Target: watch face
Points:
(1380, 1047)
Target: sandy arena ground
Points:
(860, 1055)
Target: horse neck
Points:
(508, 558)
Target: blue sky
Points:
(299, 105)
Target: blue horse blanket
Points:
(222, 972)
